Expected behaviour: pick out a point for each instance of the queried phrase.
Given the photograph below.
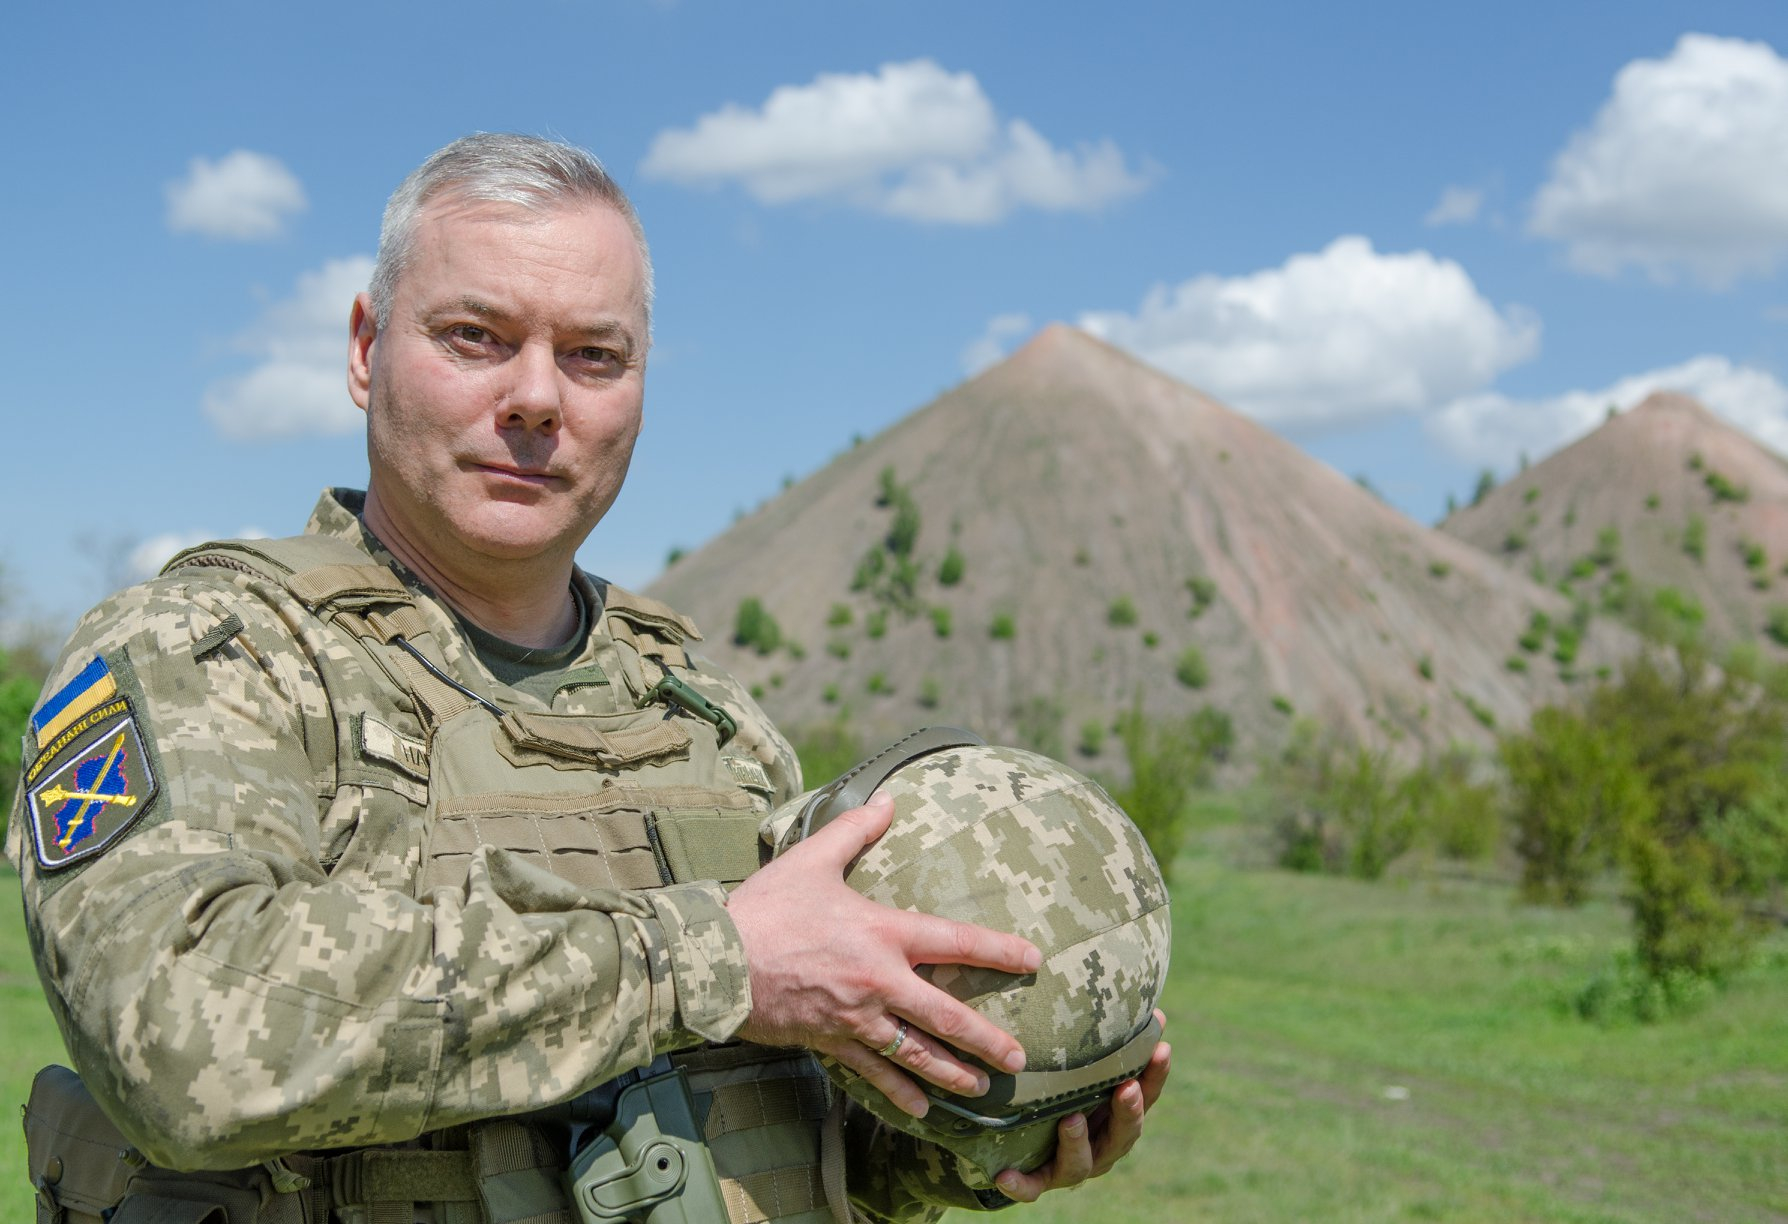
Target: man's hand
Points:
(833, 971)
(1089, 1147)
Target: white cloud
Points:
(243, 195)
(1495, 430)
(991, 346)
(147, 558)
(1344, 334)
(1685, 167)
(911, 140)
(300, 385)
(1456, 206)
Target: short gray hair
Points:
(502, 168)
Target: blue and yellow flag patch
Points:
(91, 686)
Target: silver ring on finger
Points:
(893, 1047)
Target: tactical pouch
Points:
(85, 1172)
(77, 1161)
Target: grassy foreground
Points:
(1355, 1052)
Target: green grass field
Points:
(1391, 1051)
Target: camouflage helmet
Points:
(1017, 842)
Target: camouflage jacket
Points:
(233, 983)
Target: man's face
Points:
(503, 394)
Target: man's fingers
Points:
(889, 1079)
(931, 940)
(846, 837)
(960, 1025)
(1154, 1076)
(927, 1058)
(1123, 1126)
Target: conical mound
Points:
(1122, 538)
(1664, 497)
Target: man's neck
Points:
(527, 602)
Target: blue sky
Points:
(1415, 239)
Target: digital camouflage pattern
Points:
(324, 930)
(1015, 841)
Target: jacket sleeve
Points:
(227, 1001)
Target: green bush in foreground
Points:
(1168, 763)
(1675, 773)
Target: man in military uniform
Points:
(368, 843)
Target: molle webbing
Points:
(771, 1193)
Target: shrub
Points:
(1694, 537)
(1516, 663)
(940, 620)
(1151, 639)
(1092, 737)
(876, 623)
(1651, 501)
(1531, 495)
(1514, 541)
(838, 648)
(1121, 613)
(1168, 763)
(1282, 703)
(1425, 667)
(869, 568)
(929, 695)
(878, 684)
(1534, 638)
(829, 694)
(949, 570)
(1486, 483)
(839, 615)
(754, 626)
(1723, 488)
(1203, 592)
(1607, 549)
(676, 554)
(1338, 808)
(1003, 628)
(1675, 771)
(1755, 557)
(1777, 625)
(1190, 669)
(1439, 569)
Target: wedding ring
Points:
(889, 1050)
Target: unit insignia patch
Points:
(87, 789)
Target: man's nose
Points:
(533, 399)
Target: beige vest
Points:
(433, 759)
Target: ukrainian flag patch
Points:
(91, 686)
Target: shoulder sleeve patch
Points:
(90, 784)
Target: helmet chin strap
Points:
(852, 789)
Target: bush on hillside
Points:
(1191, 670)
(949, 570)
(754, 626)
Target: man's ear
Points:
(363, 333)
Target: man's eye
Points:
(471, 333)
(598, 356)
